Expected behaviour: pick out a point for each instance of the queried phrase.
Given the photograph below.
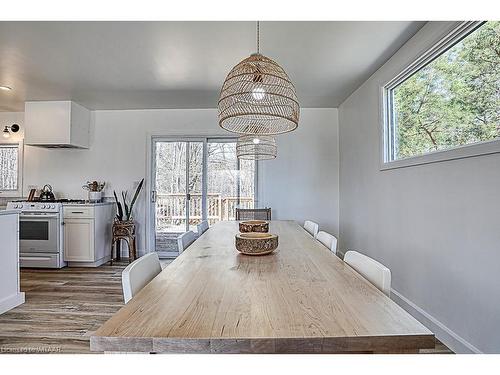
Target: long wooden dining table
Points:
(301, 298)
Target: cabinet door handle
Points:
(77, 212)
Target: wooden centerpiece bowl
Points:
(255, 243)
(248, 226)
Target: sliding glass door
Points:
(177, 194)
(231, 182)
(194, 180)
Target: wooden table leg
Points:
(118, 250)
(131, 252)
(135, 249)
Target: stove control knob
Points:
(52, 206)
(43, 206)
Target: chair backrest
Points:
(311, 227)
(375, 272)
(328, 240)
(139, 273)
(253, 214)
(185, 239)
(202, 227)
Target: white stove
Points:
(41, 242)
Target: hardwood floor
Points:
(63, 307)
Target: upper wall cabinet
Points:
(56, 124)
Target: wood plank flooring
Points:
(63, 307)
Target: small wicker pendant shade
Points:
(257, 97)
(252, 147)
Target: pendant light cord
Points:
(258, 37)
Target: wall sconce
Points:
(14, 128)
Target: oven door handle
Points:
(39, 216)
(34, 258)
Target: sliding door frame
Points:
(152, 140)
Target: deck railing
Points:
(171, 209)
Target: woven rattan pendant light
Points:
(256, 147)
(258, 98)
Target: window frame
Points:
(20, 158)
(455, 34)
(151, 140)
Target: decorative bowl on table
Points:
(255, 243)
(260, 226)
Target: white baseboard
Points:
(444, 334)
(11, 301)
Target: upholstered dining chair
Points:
(185, 239)
(328, 240)
(253, 214)
(139, 273)
(375, 272)
(311, 227)
(202, 227)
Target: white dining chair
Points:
(185, 239)
(202, 227)
(311, 227)
(139, 273)
(328, 240)
(375, 272)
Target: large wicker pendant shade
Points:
(257, 97)
(252, 147)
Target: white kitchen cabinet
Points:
(10, 292)
(87, 234)
(79, 243)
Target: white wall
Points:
(118, 155)
(7, 119)
(302, 182)
(435, 226)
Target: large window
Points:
(10, 164)
(449, 98)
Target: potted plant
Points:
(124, 209)
(123, 225)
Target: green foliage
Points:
(137, 191)
(119, 214)
(454, 100)
(128, 208)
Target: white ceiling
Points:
(135, 65)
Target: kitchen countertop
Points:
(9, 212)
(91, 204)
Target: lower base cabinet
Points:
(79, 241)
(87, 234)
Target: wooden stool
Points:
(124, 230)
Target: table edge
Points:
(327, 345)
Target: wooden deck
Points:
(63, 307)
